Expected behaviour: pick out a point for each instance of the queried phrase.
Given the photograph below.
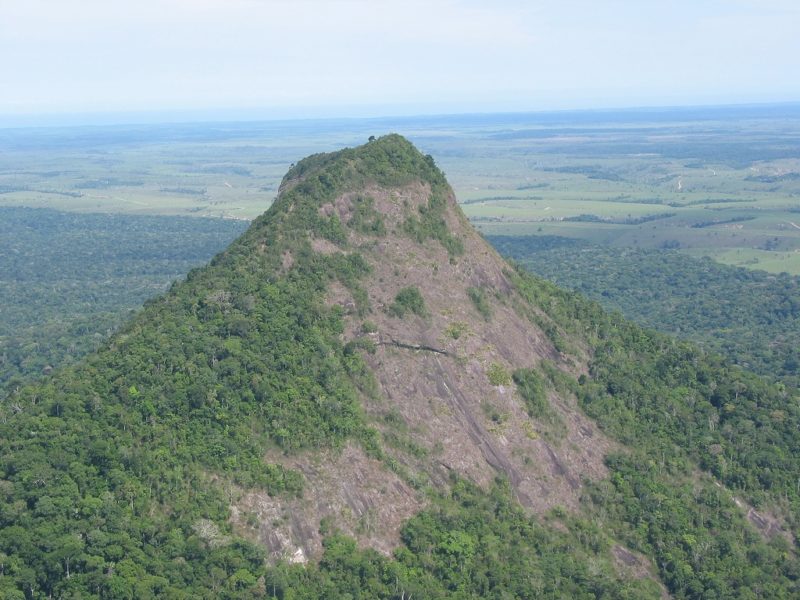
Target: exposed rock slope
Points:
(445, 401)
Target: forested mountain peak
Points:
(360, 398)
(432, 316)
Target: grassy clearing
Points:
(773, 262)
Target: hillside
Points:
(750, 316)
(68, 280)
(360, 399)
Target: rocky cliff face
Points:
(444, 333)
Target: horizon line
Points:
(198, 116)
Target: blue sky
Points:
(304, 58)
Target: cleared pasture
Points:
(722, 182)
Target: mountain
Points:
(360, 399)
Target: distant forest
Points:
(67, 280)
(752, 317)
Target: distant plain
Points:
(719, 182)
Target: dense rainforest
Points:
(67, 280)
(117, 472)
(750, 316)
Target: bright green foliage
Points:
(470, 545)
(408, 300)
(484, 545)
(481, 302)
(393, 161)
(456, 329)
(531, 387)
(430, 224)
(695, 533)
(648, 389)
(368, 327)
(365, 219)
(498, 375)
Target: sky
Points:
(320, 58)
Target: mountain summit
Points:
(433, 314)
(360, 399)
